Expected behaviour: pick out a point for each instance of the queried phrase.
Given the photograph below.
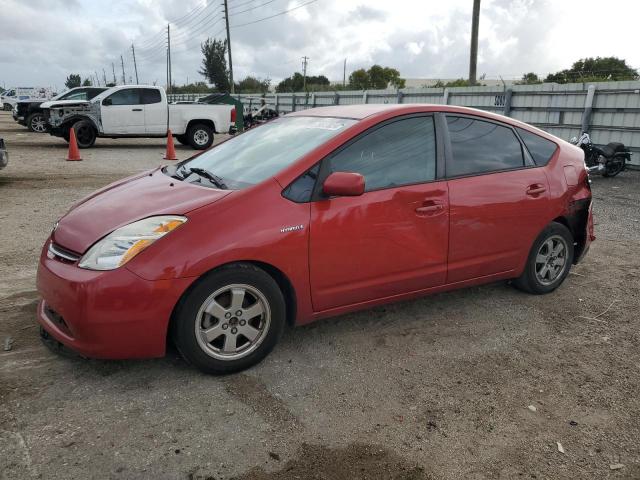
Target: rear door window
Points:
(151, 95)
(541, 149)
(480, 147)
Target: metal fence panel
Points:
(614, 115)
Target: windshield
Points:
(81, 95)
(262, 152)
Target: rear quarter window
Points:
(541, 149)
(151, 95)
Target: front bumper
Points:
(109, 315)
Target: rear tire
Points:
(85, 134)
(200, 136)
(612, 169)
(549, 261)
(7, 107)
(36, 122)
(230, 320)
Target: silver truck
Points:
(138, 111)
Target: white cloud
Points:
(42, 41)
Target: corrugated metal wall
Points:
(558, 109)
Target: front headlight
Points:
(126, 242)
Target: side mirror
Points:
(107, 102)
(343, 184)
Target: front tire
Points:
(36, 122)
(85, 134)
(183, 139)
(200, 136)
(230, 320)
(549, 261)
(7, 107)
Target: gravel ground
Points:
(438, 388)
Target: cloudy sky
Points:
(42, 41)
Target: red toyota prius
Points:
(315, 214)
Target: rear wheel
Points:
(85, 134)
(614, 167)
(200, 136)
(36, 122)
(7, 107)
(230, 320)
(549, 260)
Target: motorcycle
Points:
(608, 161)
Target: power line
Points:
(195, 31)
(252, 8)
(241, 4)
(273, 16)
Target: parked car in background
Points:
(10, 97)
(137, 111)
(30, 112)
(318, 213)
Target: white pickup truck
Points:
(138, 111)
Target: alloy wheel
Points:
(232, 322)
(551, 260)
(38, 124)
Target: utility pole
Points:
(97, 78)
(169, 79)
(473, 60)
(124, 78)
(226, 19)
(135, 66)
(113, 69)
(344, 74)
(304, 72)
(104, 77)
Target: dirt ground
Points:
(438, 388)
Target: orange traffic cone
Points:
(171, 150)
(74, 153)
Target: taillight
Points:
(233, 115)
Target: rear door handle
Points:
(136, 109)
(430, 208)
(536, 189)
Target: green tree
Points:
(599, 69)
(295, 83)
(197, 87)
(87, 82)
(376, 77)
(359, 79)
(73, 81)
(460, 82)
(214, 63)
(251, 84)
(529, 79)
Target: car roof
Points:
(363, 111)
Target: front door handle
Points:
(429, 208)
(536, 189)
(136, 109)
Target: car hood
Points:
(62, 103)
(134, 198)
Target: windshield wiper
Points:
(212, 177)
